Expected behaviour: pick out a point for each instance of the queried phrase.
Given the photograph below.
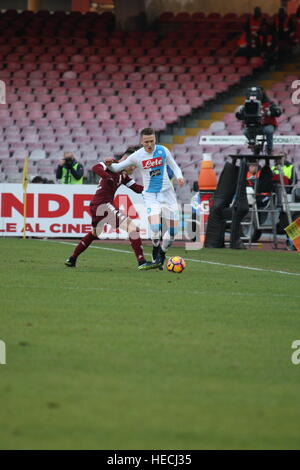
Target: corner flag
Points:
(293, 232)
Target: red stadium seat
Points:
(35, 114)
(87, 83)
(128, 68)
(228, 69)
(47, 66)
(125, 60)
(53, 115)
(232, 78)
(76, 59)
(62, 131)
(13, 66)
(143, 60)
(38, 50)
(36, 74)
(111, 100)
(119, 84)
(145, 69)
(245, 70)
(82, 107)
(29, 66)
(212, 70)
(240, 60)
(224, 60)
(86, 116)
(104, 75)
(86, 75)
(61, 99)
(54, 147)
(102, 116)
(70, 115)
(23, 122)
(91, 92)
(5, 74)
(74, 91)
(17, 105)
(95, 68)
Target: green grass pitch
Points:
(107, 357)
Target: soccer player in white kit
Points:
(159, 195)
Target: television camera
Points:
(253, 113)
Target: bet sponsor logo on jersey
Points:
(151, 163)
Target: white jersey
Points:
(153, 167)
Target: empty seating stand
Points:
(67, 73)
(189, 154)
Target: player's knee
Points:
(155, 228)
(134, 233)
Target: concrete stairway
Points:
(204, 117)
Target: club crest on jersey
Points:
(151, 163)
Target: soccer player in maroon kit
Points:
(104, 211)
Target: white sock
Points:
(167, 241)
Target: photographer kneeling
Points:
(69, 171)
(259, 115)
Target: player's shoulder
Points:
(138, 153)
(162, 149)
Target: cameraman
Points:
(264, 118)
(269, 122)
(69, 171)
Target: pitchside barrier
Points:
(241, 140)
(57, 210)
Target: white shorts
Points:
(164, 203)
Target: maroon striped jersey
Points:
(110, 182)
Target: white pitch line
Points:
(97, 247)
(215, 263)
(242, 267)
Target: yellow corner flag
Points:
(25, 184)
(293, 232)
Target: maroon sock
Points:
(136, 244)
(83, 244)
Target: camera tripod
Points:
(256, 143)
(235, 224)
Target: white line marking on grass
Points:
(215, 263)
(242, 267)
(97, 247)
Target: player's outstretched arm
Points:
(116, 167)
(130, 183)
(177, 171)
(100, 170)
(137, 188)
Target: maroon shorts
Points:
(106, 213)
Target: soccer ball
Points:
(176, 264)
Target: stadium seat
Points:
(113, 80)
(38, 154)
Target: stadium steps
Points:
(194, 126)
